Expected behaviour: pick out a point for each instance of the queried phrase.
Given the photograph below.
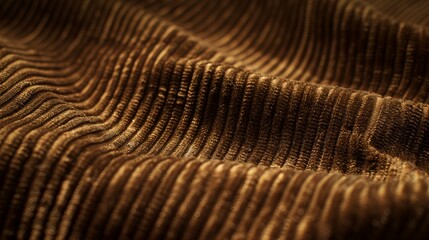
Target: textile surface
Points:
(201, 119)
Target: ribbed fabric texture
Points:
(202, 119)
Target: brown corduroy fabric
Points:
(201, 119)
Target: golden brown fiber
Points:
(200, 119)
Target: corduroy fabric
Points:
(201, 119)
